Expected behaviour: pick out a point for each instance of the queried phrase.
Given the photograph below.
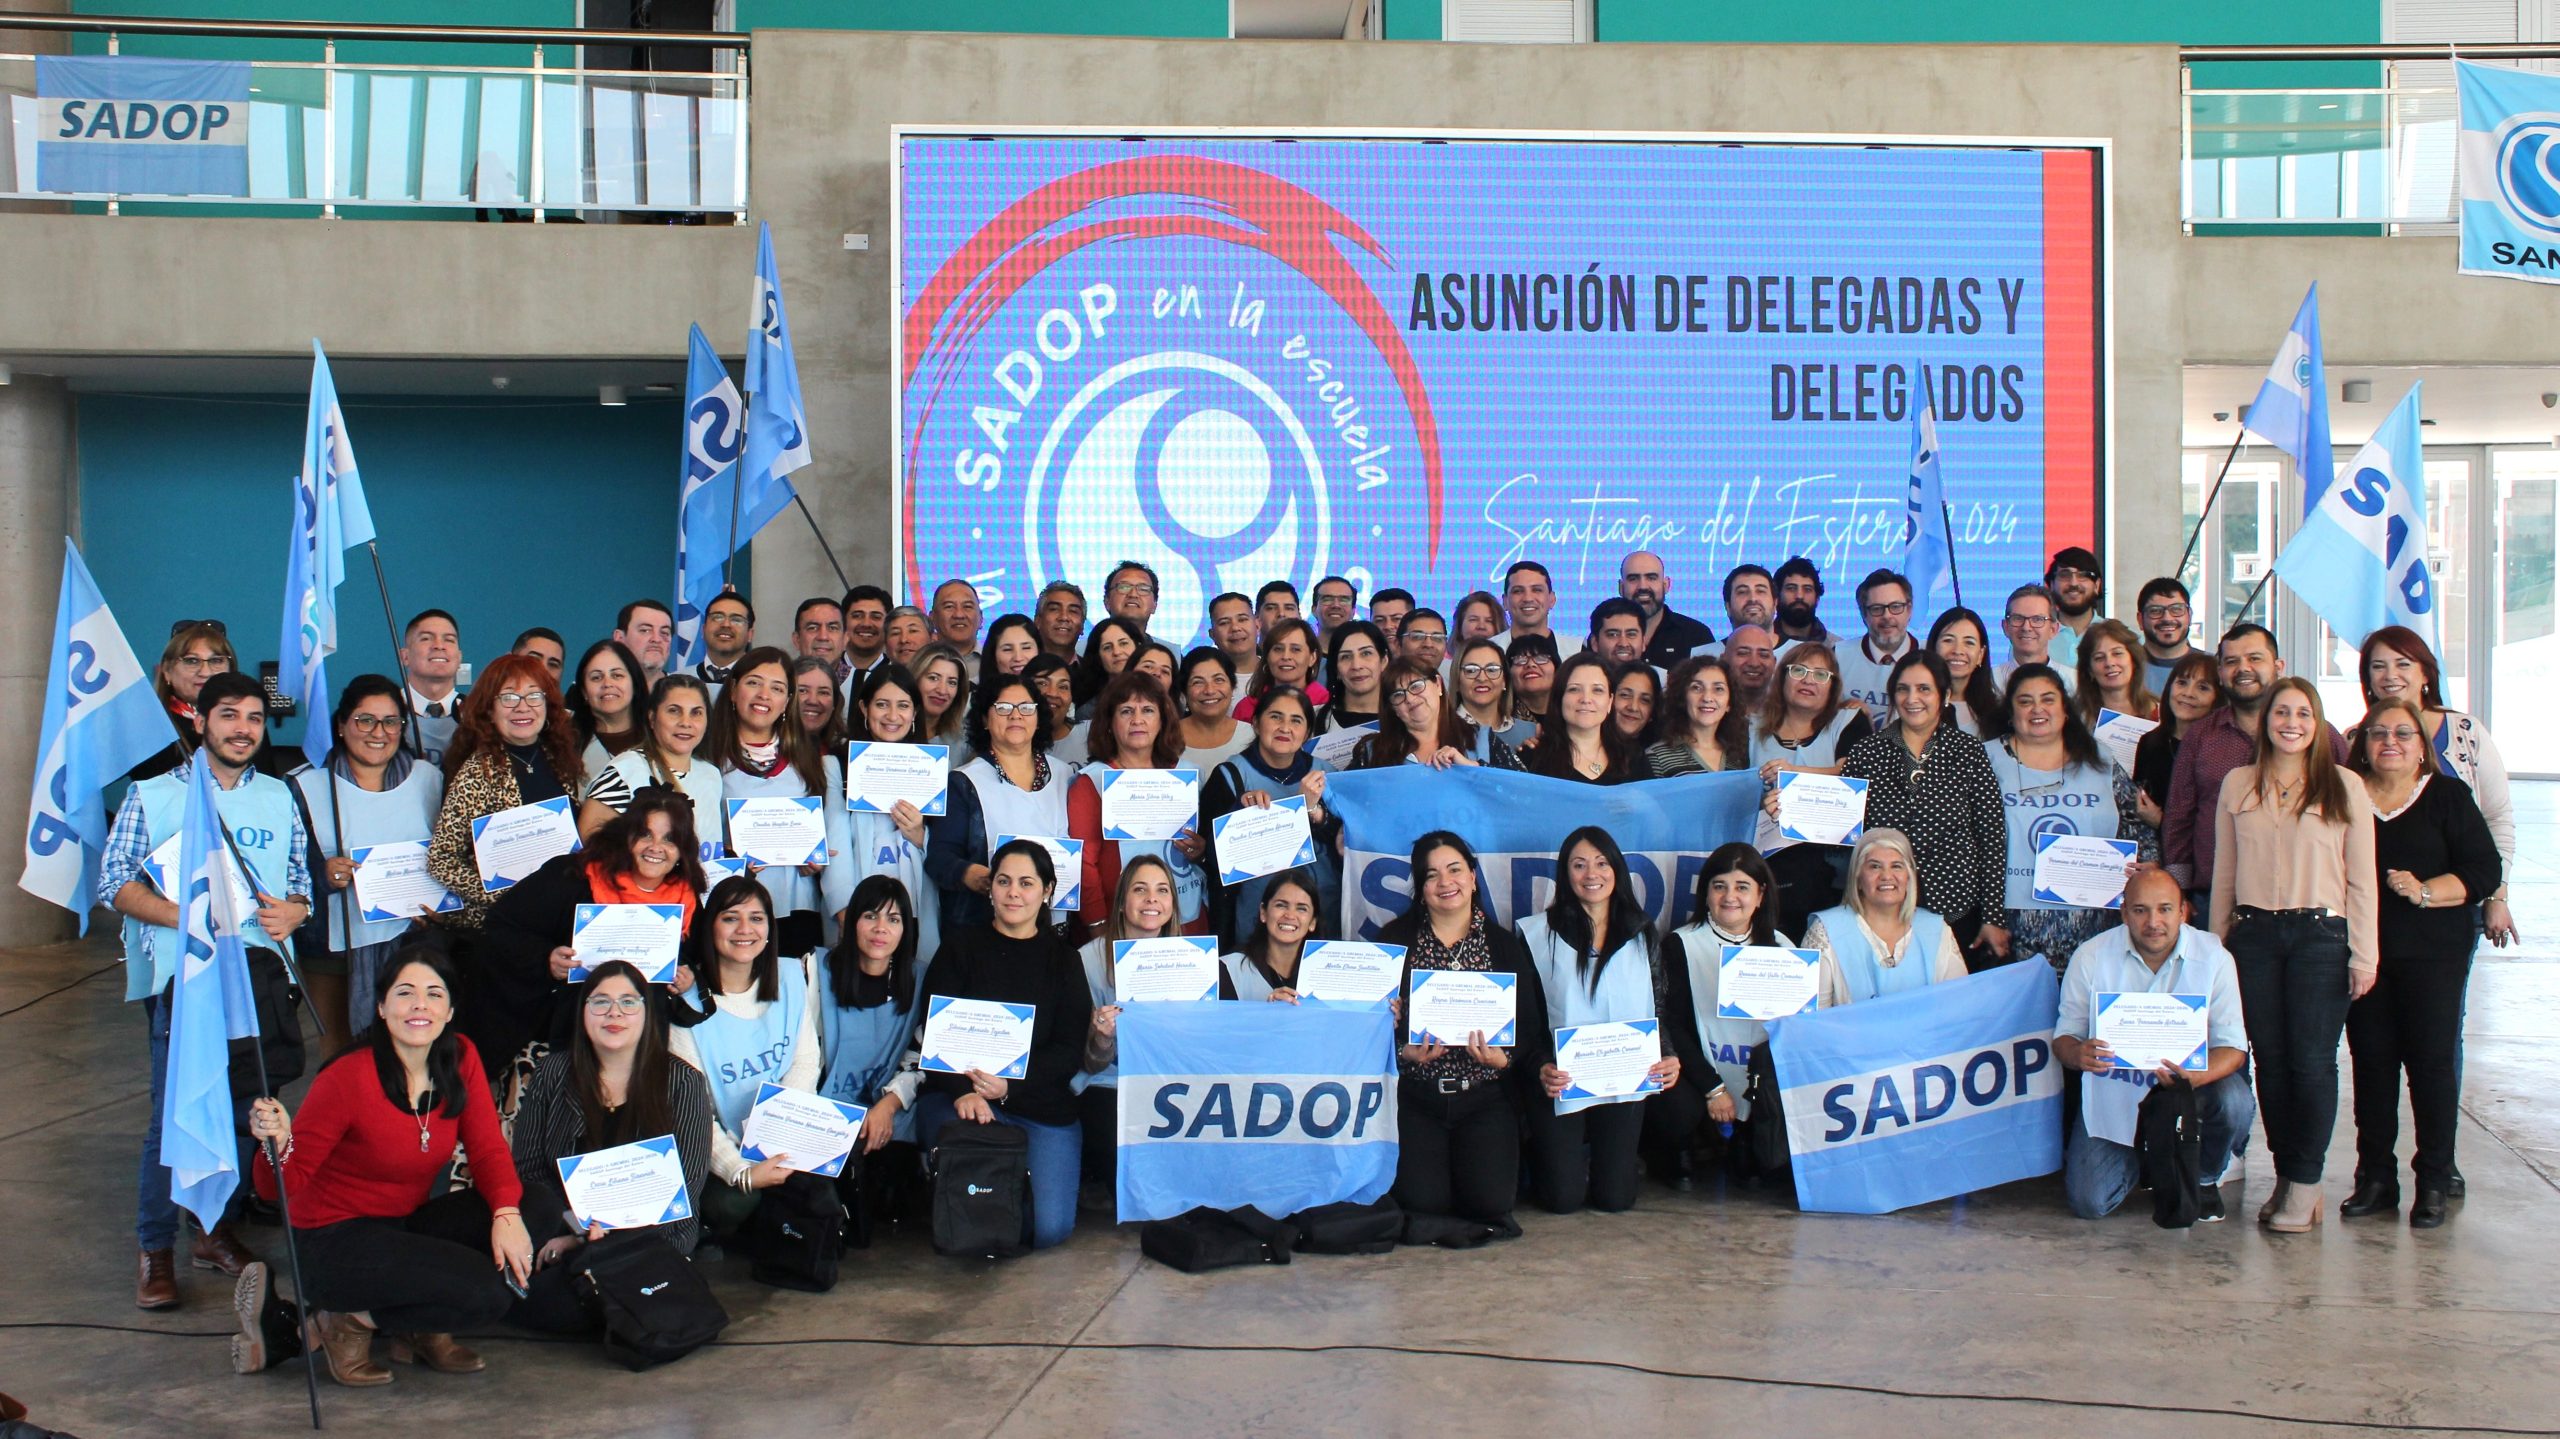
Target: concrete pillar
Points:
(35, 490)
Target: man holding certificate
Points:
(2151, 1002)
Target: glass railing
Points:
(2369, 157)
(530, 139)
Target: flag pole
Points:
(292, 1251)
(737, 501)
(2259, 589)
(821, 537)
(391, 627)
(1954, 577)
(2202, 515)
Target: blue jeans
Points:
(2097, 1174)
(155, 1215)
(2293, 997)
(1057, 1164)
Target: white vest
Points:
(361, 817)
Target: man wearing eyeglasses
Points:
(955, 620)
(2030, 622)
(431, 659)
(2167, 616)
(1337, 604)
(1130, 592)
(2072, 576)
(1884, 602)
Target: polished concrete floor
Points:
(1697, 1313)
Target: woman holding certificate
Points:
(1019, 959)
(1737, 906)
(514, 746)
(2296, 899)
(602, 702)
(1143, 909)
(616, 1082)
(767, 767)
(1702, 732)
(679, 716)
(1011, 787)
(1807, 724)
(1933, 783)
(1275, 766)
(383, 1250)
(1577, 738)
(891, 844)
(1422, 725)
(2397, 664)
(371, 792)
(1266, 967)
(1881, 941)
(2056, 785)
(1459, 1134)
(1593, 949)
(1133, 730)
(867, 1024)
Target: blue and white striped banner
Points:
(127, 125)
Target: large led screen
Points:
(1414, 360)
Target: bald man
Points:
(1669, 636)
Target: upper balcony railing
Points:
(536, 140)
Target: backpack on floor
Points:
(2168, 1137)
(1205, 1238)
(1348, 1228)
(1768, 1111)
(796, 1235)
(981, 1191)
(655, 1306)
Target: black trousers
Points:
(429, 1273)
(1585, 1157)
(1457, 1153)
(2293, 996)
(1098, 1115)
(2410, 1020)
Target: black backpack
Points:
(1348, 1228)
(1768, 1112)
(796, 1235)
(2168, 1137)
(655, 1306)
(1206, 1238)
(1451, 1231)
(981, 1191)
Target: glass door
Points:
(2450, 472)
(2240, 544)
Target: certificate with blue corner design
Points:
(2146, 1031)
(1352, 973)
(1610, 1060)
(2083, 871)
(392, 882)
(1175, 968)
(514, 843)
(1447, 1005)
(779, 829)
(630, 1186)
(1065, 855)
(1821, 808)
(965, 1034)
(1149, 804)
(1765, 982)
(1255, 841)
(878, 774)
(814, 1133)
(156, 867)
(2120, 735)
(717, 867)
(649, 937)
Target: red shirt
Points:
(356, 1155)
(1101, 863)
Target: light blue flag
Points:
(1515, 822)
(1926, 560)
(1923, 1095)
(100, 720)
(2360, 558)
(777, 423)
(2510, 172)
(2291, 411)
(330, 517)
(210, 1006)
(715, 422)
(1280, 1106)
(131, 125)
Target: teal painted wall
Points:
(1411, 19)
(389, 12)
(1178, 19)
(1914, 22)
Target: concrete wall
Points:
(2383, 301)
(35, 488)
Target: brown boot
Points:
(438, 1352)
(2301, 1211)
(222, 1250)
(155, 1286)
(347, 1347)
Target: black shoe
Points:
(2429, 1211)
(2454, 1187)
(2372, 1196)
(2209, 1208)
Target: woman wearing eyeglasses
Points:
(1481, 686)
(1274, 767)
(2397, 664)
(370, 791)
(1806, 724)
(197, 651)
(1422, 725)
(1010, 787)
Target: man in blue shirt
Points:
(2153, 952)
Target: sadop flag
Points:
(1280, 1106)
(1926, 560)
(2291, 411)
(777, 422)
(2360, 558)
(1923, 1095)
(136, 125)
(210, 1007)
(101, 718)
(329, 518)
(715, 423)
(2510, 205)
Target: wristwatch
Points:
(2425, 900)
(301, 899)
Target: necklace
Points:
(423, 1102)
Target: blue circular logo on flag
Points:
(2528, 185)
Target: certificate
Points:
(650, 937)
(2121, 734)
(1764, 982)
(1350, 972)
(1178, 967)
(244, 895)
(392, 882)
(1332, 749)
(1612, 1060)
(629, 1186)
(2150, 1030)
(1065, 855)
(816, 1134)
(1149, 804)
(513, 843)
(965, 1034)
(1821, 808)
(1253, 842)
(878, 774)
(717, 867)
(779, 829)
(2082, 871)
(1447, 1005)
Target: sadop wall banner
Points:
(1411, 361)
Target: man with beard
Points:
(1617, 632)
(2077, 591)
(2165, 610)
(2215, 746)
(1799, 597)
(1669, 636)
(1750, 598)
(1751, 653)
(1060, 620)
(1884, 602)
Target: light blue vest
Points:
(793, 891)
(1245, 899)
(1728, 1042)
(1190, 882)
(1622, 991)
(863, 1048)
(1097, 977)
(260, 814)
(2080, 799)
(1864, 972)
(363, 817)
(740, 1056)
(1248, 981)
(872, 845)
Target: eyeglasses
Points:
(1543, 662)
(519, 700)
(2027, 622)
(1808, 672)
(2073, 572)
(1413, 691)
(2394, 734)
(1480, 671)
(212, 664)
(2165, 612)
(1009, 709)
(1899, 607)
(177, 627)
(373, 724)
(608, 1004)
(1130, 587)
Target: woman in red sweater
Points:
(1134, 727)
(377, 1129)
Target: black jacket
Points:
(1536, 1044)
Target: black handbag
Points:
(1205, 1238)
(1768, 1111)
(1348, 1228)
(2168, 1138)
(655, 1306)
(795, 1237)
(981, 1191)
